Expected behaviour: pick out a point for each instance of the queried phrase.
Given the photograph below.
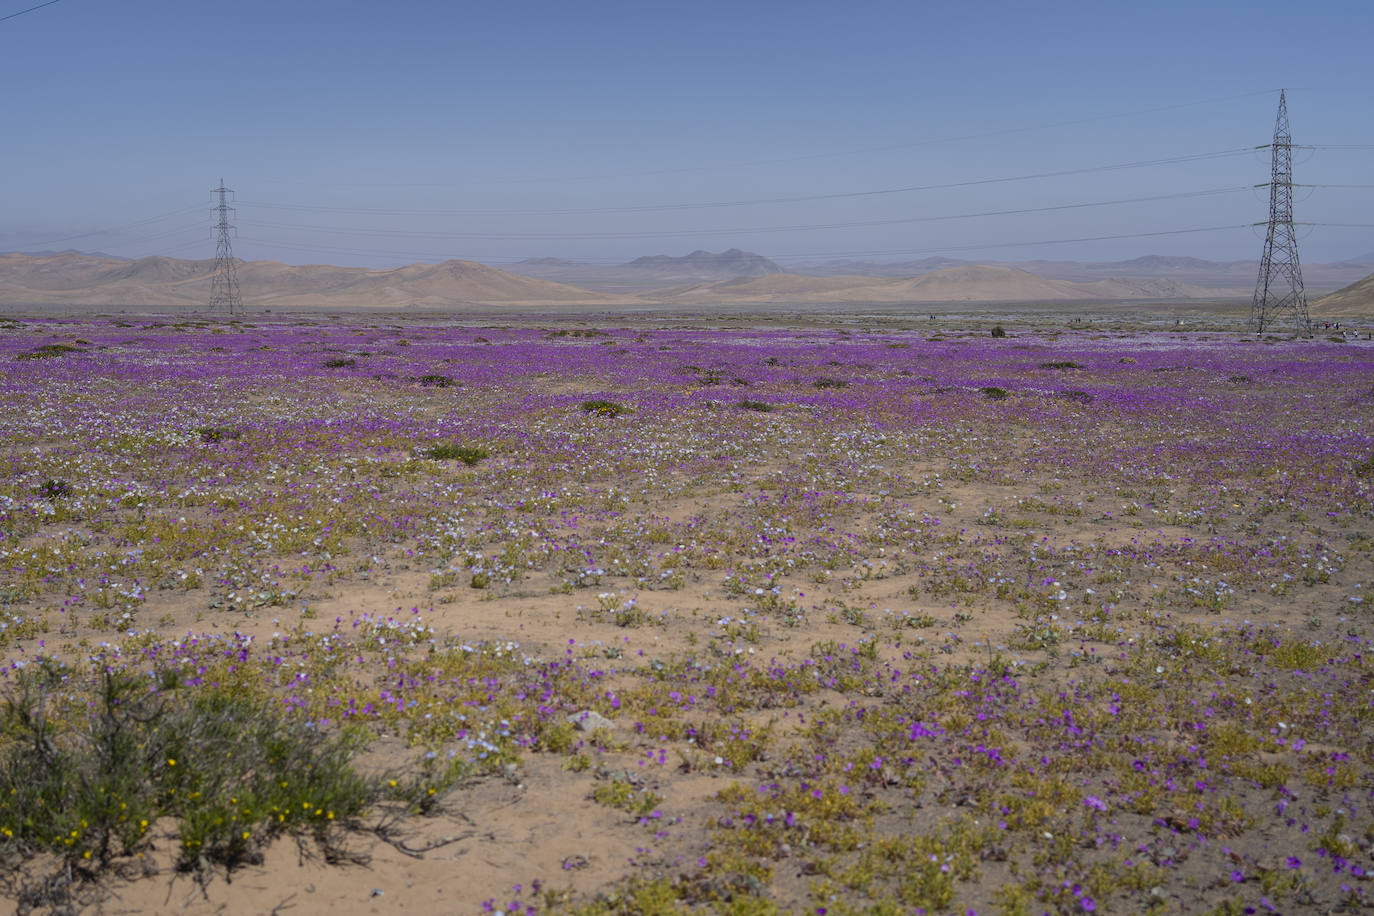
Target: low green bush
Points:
(55, 489)
(213, 434)
(603, 408)
(49, 351)
(86, 779)
(449, 451)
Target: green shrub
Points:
(1061, 364)
(87, 781)
(603, 408)
(999, 331)
(993, 393)
(49, 351)
(449, 451)
(340, 363)
(760, 406)
(824, 382)
(55, 489)
(436, 381)
(216, 433)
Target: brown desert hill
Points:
(1162, 288)
(422, 285)
(652, 272)
(986, 283)
(480, 282)
(76, 279)
(160, 270)
(961, 283)
(995, 283)
(964, 283)
(780, 287)
(1353, 301)
(72, 271)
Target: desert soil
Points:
(881, 614)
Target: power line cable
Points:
(898, 252)
(1094, 238)
(29, 10)
(99, 232)
(931, 141)
(414, 256)
(1144, 163)
(751, 230)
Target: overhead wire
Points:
(836, 154)
(111, 231)
(748, 230)
(29, 10)
(657, 208)
(414, 256)
(740, 203)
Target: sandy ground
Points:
(537, 827)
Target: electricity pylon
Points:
(224, 286)
(1278, 292)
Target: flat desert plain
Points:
(374, 614)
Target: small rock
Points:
(590, 720)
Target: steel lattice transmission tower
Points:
(1278, 292)
(224, 286)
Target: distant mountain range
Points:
(700, 278)
(651, 272)
(76, 279)
(1175, 275)
(1226, 277)
(961, 283)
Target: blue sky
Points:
(383, 134)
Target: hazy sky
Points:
(381, 134)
